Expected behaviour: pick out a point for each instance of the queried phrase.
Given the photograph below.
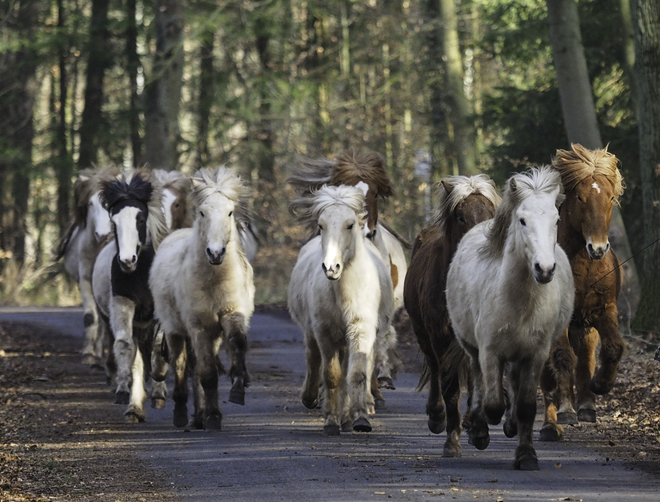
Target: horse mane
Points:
(142, 186)
(456, 189)
(581, 163)
(86, 185)
(349, 168)
(223, 181)
(535, 181)
(308, 209)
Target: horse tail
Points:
(63, 244)
(310, 175)
(353, 166)
(424, 377)
(455, 362)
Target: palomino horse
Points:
(204, 293)
(120, 280)
(351, 167)
(509, 297)
(340, 294)
(463, 203)
(79, 247)
(593, 185)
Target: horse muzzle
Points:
(216, 257)
(544, 275)
(333, 273)
(128, 266)
(597, 252)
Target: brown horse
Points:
(464, 202)
(593, 184)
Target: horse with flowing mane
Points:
(203, 293)
(342, 325)
(89, 227)
(351, 167)
(509, 297)
(120, 276)
(593, 184)
(463, 202)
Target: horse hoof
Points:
(550, 432)
(133, 417)
(567, 418)
(214, 423)
(379, 404)
(237, 393)
(361, 425)
(157, 403)
(452, 451)
(494, 414)
(331, 430)
(198, 423)
(480, 442)
(122, 397)
(310, 404)
(346, 427)
(436, 426)
(180, 416)
(527, 464)
(97, 368)
(89, 360)
(386, 383)
(510, 429)
(587, 415)
(598, 388)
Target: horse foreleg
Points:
(159, 368)
(563, 362)
(451, 394)
(360, 367)
(135, 412)
(385, 348)
(332, 385)
(526, 376)
(110, 361)
(493, 396)
(511, 415)
(310, 393)
(121, 323)
(234, 327)
(478, 434)
(176, 345)
(435, 404)
(205, 348)
(611, 350)
(586, 365)
(93, 346)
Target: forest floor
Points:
(55, 419)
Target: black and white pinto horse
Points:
(120, 280)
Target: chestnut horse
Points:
(464, 202)
(592, 184)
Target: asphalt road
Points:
(273, 448)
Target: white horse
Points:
(120, 280)
(79, 247)
(340, 295)
(509, 296)
(203, 293)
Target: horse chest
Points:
(591, 297)
(135, 286)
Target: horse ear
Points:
(363, 187)
(447, 185)
(560, 197)
(196, 183)
(513, 186)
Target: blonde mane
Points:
(582, 163)
(308, 209)
(223, 181)
(461, 188)
(535, 181)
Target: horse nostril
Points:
(134, 259)
(552, 271)
(590, 248)
(323, 267)
(537, 268)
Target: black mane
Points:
(116, 191)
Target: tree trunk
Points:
(629, 48)
(647, 70)
(17, 95)
(581, 124)
(133, 65)
(264, 133)
(206, 94)
(163, 91)
(63, 165)
(455, 96)
(98, 61)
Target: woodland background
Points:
(436, 86)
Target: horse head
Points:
(217, 194)
(128, 204)
(535, 219)
(176, 205)
(593, 184)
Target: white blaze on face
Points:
(595, 186)
(127, 234)
(99, 216)
(168, 200)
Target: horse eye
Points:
(201, 213)
(320, 227)
(230, 213)
(350, 227)
(580, 199)
(176, 205)
(522, 222)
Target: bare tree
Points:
(647, 70)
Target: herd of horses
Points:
(504, 292)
